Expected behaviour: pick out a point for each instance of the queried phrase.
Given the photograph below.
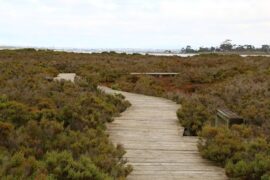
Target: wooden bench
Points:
(227, 118)
(157, 74)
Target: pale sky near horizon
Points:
(161, 24)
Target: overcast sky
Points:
(133, 23)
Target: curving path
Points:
(152, 137)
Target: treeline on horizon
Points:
(205, 82)
(228, 47)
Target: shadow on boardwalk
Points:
(150, 133)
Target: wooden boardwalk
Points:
(152, 137)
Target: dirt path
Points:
(152, 137)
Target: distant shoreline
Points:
(142, 52)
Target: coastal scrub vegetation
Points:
(66, 121)
(54, 130)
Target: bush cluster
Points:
(244, 155)
(55, 130)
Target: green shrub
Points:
(193, 115)
(243, 155)
(221, 144)
(14, 112)
(115, 87)
(61, 165)
(21, 167)
(148, 85)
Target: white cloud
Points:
(133, 23)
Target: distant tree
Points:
(226, 45)
(217, 49)
(265, 48)
(240, 48)
(212, 49)
(204, 49)
(183, 50)
(189, 49)
(234, 46)
(249, 47)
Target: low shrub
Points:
(244, 155)
(193, 115)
